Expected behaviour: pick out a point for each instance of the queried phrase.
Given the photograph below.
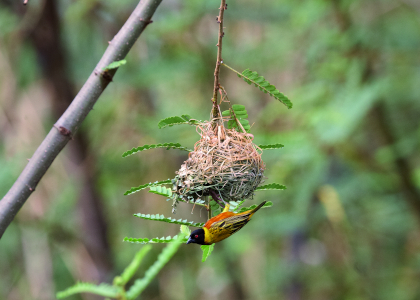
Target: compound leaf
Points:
(147, 147)
(143, 186)
(270, 147)
(162, 218)
(267, 204)
(171, 121)
(271, 186)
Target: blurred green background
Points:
(347, 227)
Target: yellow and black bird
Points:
(221, 226)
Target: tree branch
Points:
(223, 7)
(71, 120)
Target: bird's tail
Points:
(258, 207)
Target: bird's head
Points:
(197, 237)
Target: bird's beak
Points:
(189, 241)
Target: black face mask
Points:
(197, 237)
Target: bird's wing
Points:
(229, 225)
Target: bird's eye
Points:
(196, 236)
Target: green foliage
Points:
(117, 290)
(259, 81)
(162, 218)
(171, 121)
(167, 192)
(238, 118)
(131, 269)
(238, 206)
(115, 64)
(161, 190)
(163, 258)
(103, 289)
(147, 147)
(142, 187)
(267, 204)
(270, 147)
(162, 240)
(207, 249)
(271, 186)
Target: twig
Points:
(219, 61)
(216, 198)
(71, 120)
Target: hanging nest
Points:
(224, 162)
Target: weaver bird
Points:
(221, 226)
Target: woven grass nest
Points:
(225, 164)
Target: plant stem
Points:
(223, 7)
(216, 197)
(232, 69)
(72, 118)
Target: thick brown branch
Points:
(75, 114)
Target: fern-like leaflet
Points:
(162, 218)
(143, 186)
(162, 240)
(167, 192)
(238, 118)
(270, 147)
(243, 209)
(171, 121)
(161, 190)
(251, 77)
(140, 284)
(154, 146)
(271, 186)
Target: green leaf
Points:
(226, 113)
(267, 204)
(161, 218)
(251, 77)
(140, 284)
(185, 230)
(103, 289)
(147, 147)
(269, 147)
(238, 114)
(239, 205)
(241, 114)
(142, 187)
(131, 269)
(171, 121)
(271, 186)
(265, 86)
(115, 65)
(232, 124)
(156, 240)
(161, 190)
(238, 107)
(207, 249)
